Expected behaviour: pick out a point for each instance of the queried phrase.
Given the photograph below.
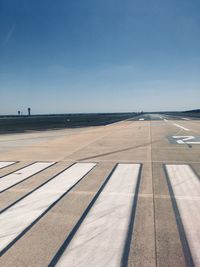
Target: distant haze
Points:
(99, 56)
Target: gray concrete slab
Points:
(142, 249)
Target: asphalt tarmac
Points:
(124, 194)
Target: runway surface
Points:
(124, 194)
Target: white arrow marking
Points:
(185, 140)
(180, 142)
(186, 129)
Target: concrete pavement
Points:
(159, 217)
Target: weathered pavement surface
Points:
(126, 194)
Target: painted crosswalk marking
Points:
(22, 174)
(101, 238)
(20, 216)
(4, 164)
(186, 189)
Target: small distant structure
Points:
(19, 112)
(29, 111)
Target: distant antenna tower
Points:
(29, 111)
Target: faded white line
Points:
(142, 119)
(186, 129)
(186, 188)
(193, 143)
(165, 120)
(18, 217)
(186, 119)
(101, 237)
(6, 163)
(22, 174)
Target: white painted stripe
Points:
(6, 163)
(101, 237)
(18, 217)
(186, 129)
(186, 188)
(165, 120)
(193, 143)
(20, 175)
(142, 119)
(186, 119)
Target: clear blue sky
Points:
(99, 55)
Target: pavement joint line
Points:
(197, 198)
(112, 193)
(147, 161)
(153, 191)
(127, 161)
(141, 195)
